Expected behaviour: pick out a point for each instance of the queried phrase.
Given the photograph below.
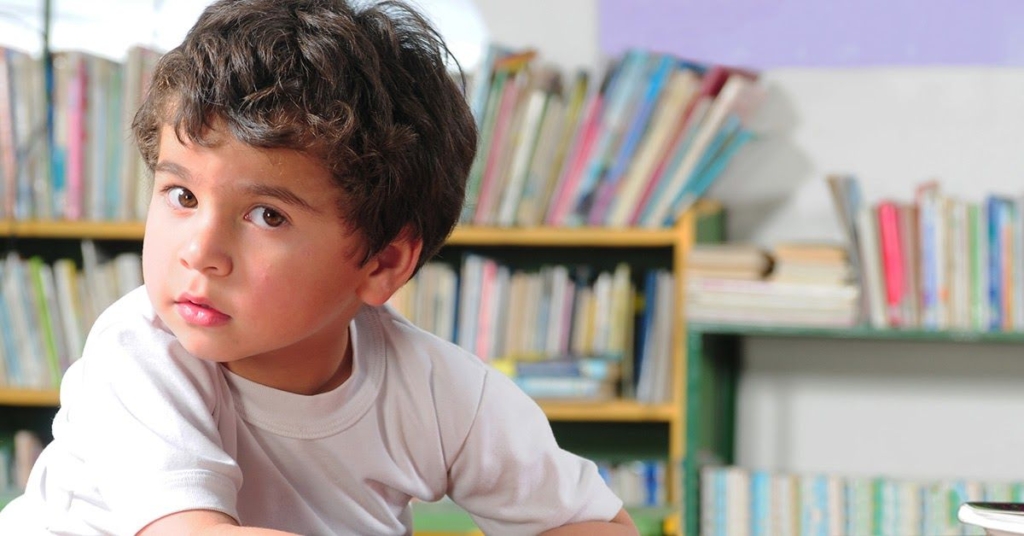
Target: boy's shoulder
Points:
(130, 326)
(455, 376)
(410, 345)
(129, 346)
(130, 309)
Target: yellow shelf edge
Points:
(561, 236)
(462, 236)
(616, 410)
(72, 229)
(612, 411)
(13, 396)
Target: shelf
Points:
(617, 410)
(463, 236)
(72, 229)
(611, 411)
(29, 397)
(861, 333)
(554, 236)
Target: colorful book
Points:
(892, 261)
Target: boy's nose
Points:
(205, 250)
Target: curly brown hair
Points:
(362, 88)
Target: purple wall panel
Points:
(821, 33)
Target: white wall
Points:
(900, 409)
(921, 410)
(563, 31)
(892, 127)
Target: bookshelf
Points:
(614, 430)
(714, 365)
(617, 429)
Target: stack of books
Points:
(800, 285)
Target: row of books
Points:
(637, 483)
(46, 311)
(736, 501)
(632, 146)
(560, 331)
(71, 157)
(793, 284)
(936, 262)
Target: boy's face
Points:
(245, 256)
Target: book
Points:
(810, 252)
(846, 200)
(499, 153)
(997, 518)
(737, 93)
(8, 153)
(660, 70)
(544, 85)
(539, 179)
(740, 257)
(727, 142)
(17, 292)
(891, 261)
(678, 93)
(872, 278)
(624, 94)
(576, 159)
(504, 70)
(8, 346)
(566, 118)
(49, 319)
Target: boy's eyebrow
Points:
(173, 169)
(281, 193)
(264, 190)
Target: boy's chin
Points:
(207, 352)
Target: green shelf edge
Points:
(448, 517)
(859, 333)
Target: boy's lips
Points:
(198, 311)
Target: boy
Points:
(308, 157)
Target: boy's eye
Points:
(266, 217)
(181, 197)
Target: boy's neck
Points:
(320, 372)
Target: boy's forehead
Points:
(219, 150)
(218, 136)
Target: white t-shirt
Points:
(146, 430)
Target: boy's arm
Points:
(203, 523)
(621, 524)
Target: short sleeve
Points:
(511, 475)
(139, 416)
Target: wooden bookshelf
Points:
(652, 431)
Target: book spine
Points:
(995, 264)
(892, 261)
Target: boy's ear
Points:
(391, 268)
